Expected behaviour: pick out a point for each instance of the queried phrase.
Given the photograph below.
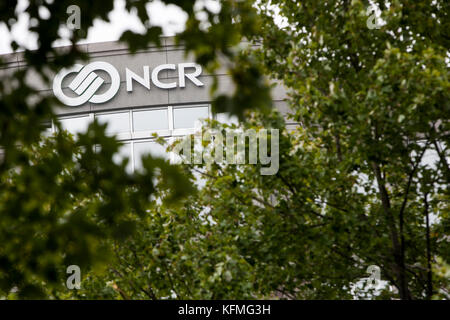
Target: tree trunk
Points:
(400, 268)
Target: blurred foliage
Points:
(60, 200)
(352, 189)
(376, 103)
(363, 181)
(62, 203)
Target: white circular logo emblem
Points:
(86, 84)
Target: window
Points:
(75, 124)
(186, 117)
(134, 129)
(47, 128)
(124, 152)
(147, 147)
(117, 122)
(150, 120)
(227, 119)
(46, 125)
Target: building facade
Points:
(156, 90)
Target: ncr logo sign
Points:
(86, 83)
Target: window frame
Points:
(120, 135)
(186, 131)
(133, 137)
(89, 115)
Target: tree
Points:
(99, 200)
(59, 207)
(352, 189)
(362, 181)
(378, 100)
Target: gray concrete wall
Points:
(117, 54)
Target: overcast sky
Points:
(171, 18)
